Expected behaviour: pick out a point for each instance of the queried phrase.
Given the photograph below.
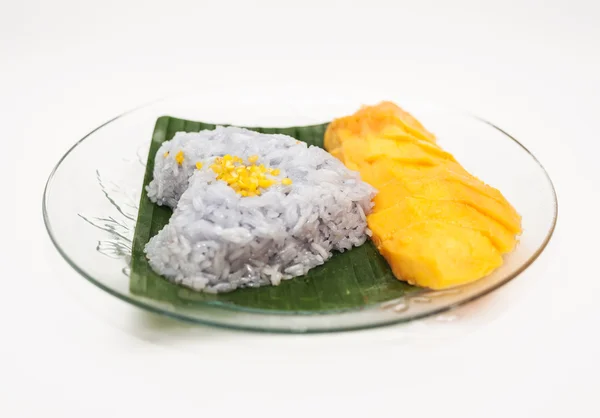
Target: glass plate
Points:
(91, 198)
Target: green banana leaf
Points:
(349, 280)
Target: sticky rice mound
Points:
(218, 240)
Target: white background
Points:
(529, 350)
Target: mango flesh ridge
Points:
(437, 225)
(438, 255)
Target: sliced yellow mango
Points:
(436, 224)
(400, 150)
(375, 119)
(439, 255)
(386, 224)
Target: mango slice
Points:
(437, 225)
